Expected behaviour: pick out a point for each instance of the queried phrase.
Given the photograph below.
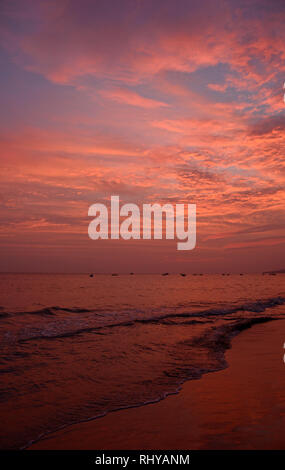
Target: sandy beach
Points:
(241, 407)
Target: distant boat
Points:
(131, 274)
(90, 275)
(278, 271)
(182, 274)
(165, 274)
(115, 274)
(241, 274)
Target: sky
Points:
(155, 101)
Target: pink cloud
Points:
(125, 96)
(173, 137)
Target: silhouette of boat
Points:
(165, 274)
(182, 274)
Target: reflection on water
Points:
(75, 347)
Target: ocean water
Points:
(74, 348)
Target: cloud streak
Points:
(154, 101)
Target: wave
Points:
(219, 338)
(216, 340)
(51, 311)
(167, 318)
(256, 306)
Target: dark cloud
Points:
(267, 125)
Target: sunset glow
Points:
(154, 101)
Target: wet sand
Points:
(241, 407)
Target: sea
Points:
(75, 347)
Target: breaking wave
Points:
(90, 322)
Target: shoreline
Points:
(242, 406)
